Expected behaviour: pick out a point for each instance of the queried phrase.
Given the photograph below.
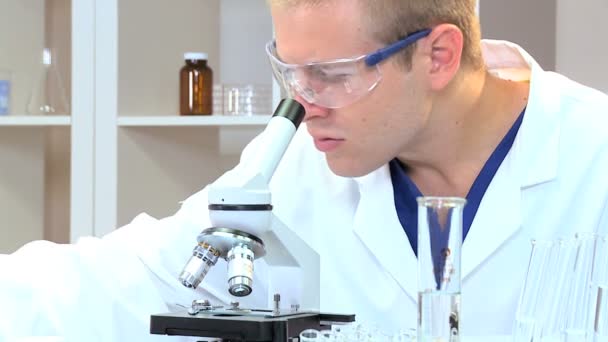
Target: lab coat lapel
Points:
(378, 227)
(499, 215)
(498, 218)
(532, 160)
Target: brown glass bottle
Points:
(195, 85)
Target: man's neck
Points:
(468, 121)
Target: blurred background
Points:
(90, 135)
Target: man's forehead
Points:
(329, 31)
(313, 52)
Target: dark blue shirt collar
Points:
(406, 192)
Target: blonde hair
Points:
(391, 20)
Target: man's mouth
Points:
(327, 144)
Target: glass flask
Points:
(48, 95)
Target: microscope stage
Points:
(258, 326)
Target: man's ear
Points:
(444, 46)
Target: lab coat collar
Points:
(523, 168)
(532, 160)
(540, 130)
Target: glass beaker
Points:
(48, 95)
(218, 99)
(247, 99)
(439, 245)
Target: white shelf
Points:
(34, 120)
(211, 120)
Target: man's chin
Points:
(351, 168)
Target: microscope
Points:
(244, 229)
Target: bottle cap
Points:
(195, 56)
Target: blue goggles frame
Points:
(384, 53)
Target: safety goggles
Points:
(336, 83)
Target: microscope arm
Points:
(251, 186)
(292, 255)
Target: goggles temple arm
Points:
(388, 51)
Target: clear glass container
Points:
(439, 246)
(563, 297)
(578, 320)
(48, 95)
(247, 99)
(600, 289)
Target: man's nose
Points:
(312, 110)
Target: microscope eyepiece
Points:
(292, 110)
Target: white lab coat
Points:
(551, 184)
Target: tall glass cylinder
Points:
(527, 316)
(578, 320)
(439, 245)
(600, 288)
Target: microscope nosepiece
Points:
(203, 257)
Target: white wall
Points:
(582, 41)
(568, 36)
(245, 27)
(21, 152)
(21, 43)
(160, 166)
(57, 184)
(153, 36)
(21, 186)
(34, 165)
(58, 30)
(530, 24)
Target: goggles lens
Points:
(331, 84)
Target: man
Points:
(402, 100)
(500, 132)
